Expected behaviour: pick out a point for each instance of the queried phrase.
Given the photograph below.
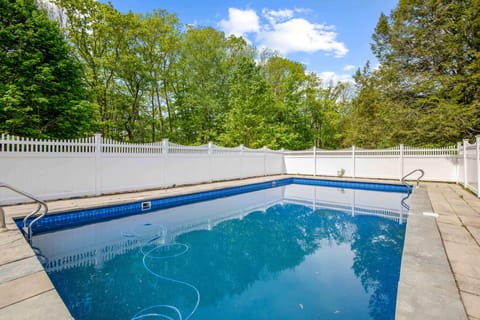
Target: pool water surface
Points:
(289, 252)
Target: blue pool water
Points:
(288, 252)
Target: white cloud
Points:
(330, 76)
(283, 32)
(273, 16)
(240, 22)
(300, 35)
(349, 67)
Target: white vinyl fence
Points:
(469, 165)
(460, 164)
(439, 164)
(94, 166)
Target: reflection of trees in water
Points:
(260, 245)
(377, 246)
(231, 257)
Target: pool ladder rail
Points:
(34, 216)
(422, 173)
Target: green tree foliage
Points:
(201, 96)
(287, 80)
(425, 91)
(250, 102)
(153, 79)
(88, 28)
(327, 108)
(160, 38)
(42, 92)
(149, 78)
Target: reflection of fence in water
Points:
(105, 252)
(392, 214)
(135, 241)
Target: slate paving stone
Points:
(24, 288)
(45, 306)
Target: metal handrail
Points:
(40, 204)
(403, 203)
(409, 174)
(422, 173)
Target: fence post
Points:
(477, 141)
(164, 146)
(314, 160)
(353, 161)
(401, 162)
(459, 149)
(98, 164)
(242, 148)
(264, 149)
(465, 160)
(210, 152)
(165, 159)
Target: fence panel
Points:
(381, 164)
(128, 173)
(439, 164)
(226, 166)
(274, 163)
(53, 169)
(52, 176)
(299, 162)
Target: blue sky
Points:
(331, 37)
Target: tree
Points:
(42, 92)
(373, 118)
(250, 104)
(206, 62)
(128, 61)
(287, 80)
(160, 38)
(89, 25)
(152, 80)
(426, 88)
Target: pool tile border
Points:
(62, 220)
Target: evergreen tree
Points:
(425, 91)
(42, 93)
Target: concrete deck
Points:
(440, 275)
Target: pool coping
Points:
(29, 294)
(427, 289)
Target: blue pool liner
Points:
(63, 220)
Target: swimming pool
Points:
(290, 251)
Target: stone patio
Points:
(440, 276)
